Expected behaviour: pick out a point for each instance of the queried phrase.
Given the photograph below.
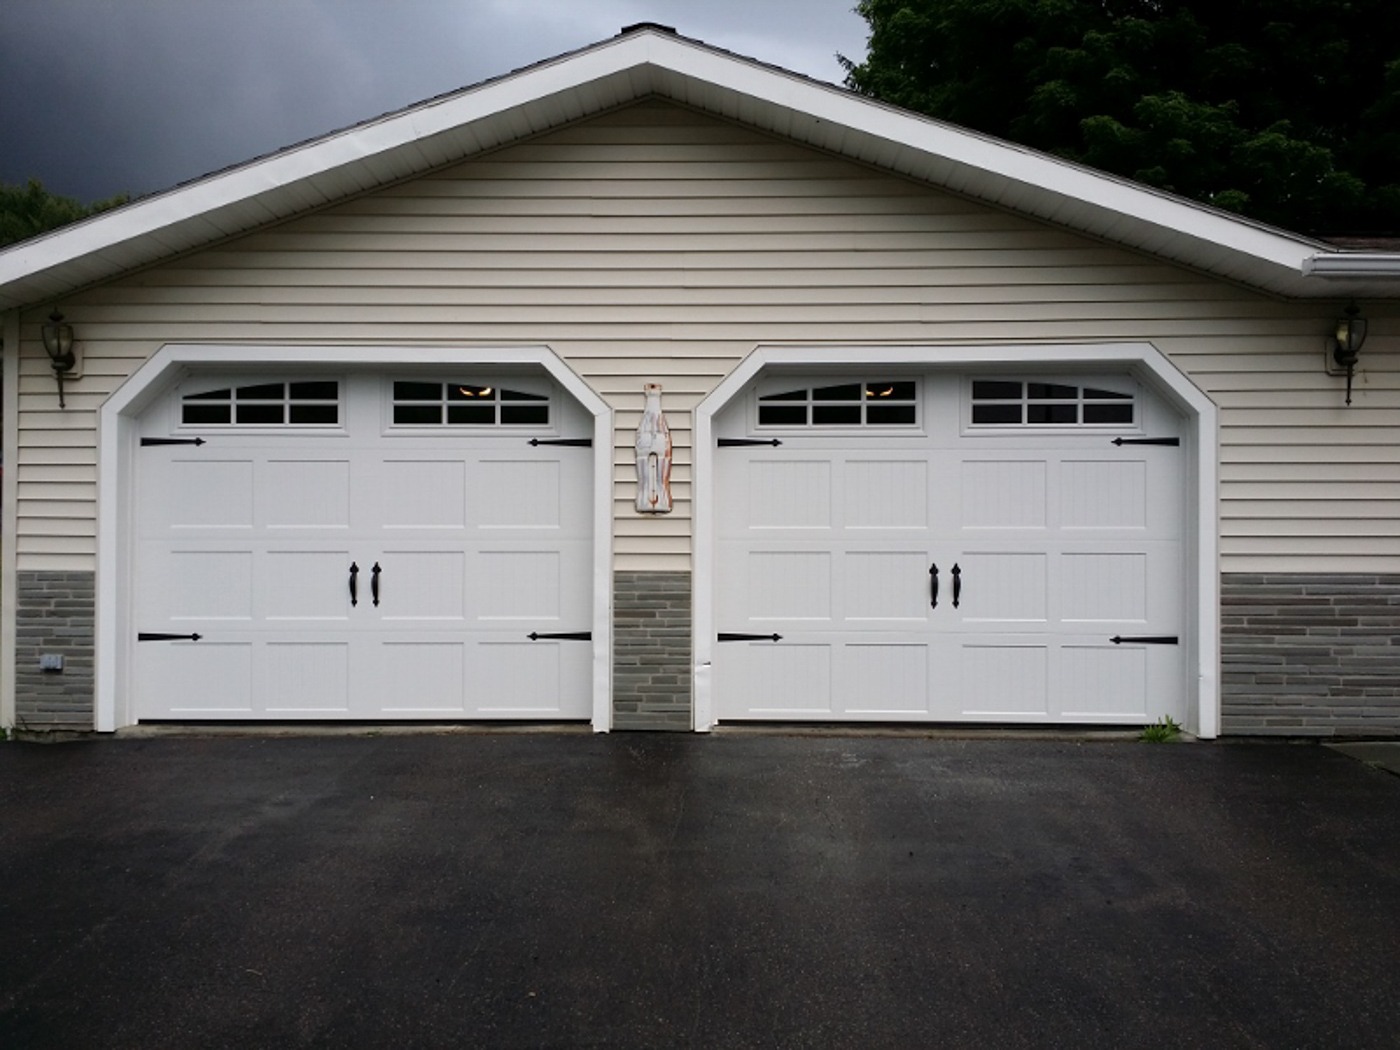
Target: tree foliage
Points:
(1287, 111)
(29, 210)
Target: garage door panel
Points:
(1005, 680)
(419, 585)
(519, 585)
(421, 678)
(196, 584)
(885, 495)
(423, 494)
(1002, 585)
(789, 585)
(526, 493)
(304, 584)
(787, 680)
(888, 680)
(1103, 493)
(304, 678)
(303, 493)
(204, 679)
(530, 679)
(1133, 490)
(1004, 494)
(789, 494)
(885, 585)
(204, 494)
(1104, 587)
(1106, 681)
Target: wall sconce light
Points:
(58, 342)
(1345, 343)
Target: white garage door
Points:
(941, 548)
(363, 547)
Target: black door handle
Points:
(354, 584)
(957, 584)
(933, 586)
(374, 583)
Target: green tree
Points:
(29, 210)
(1287, 111)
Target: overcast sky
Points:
(99, 97)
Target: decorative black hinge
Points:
(1146, 639)
(573, 442)
(156, 636)
(563, 636)
(731, 636)
(742, 442)
(1147, 441)
(147, 442)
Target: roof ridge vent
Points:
(637, 27)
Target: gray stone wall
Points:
(651, 651)
(55, 612)
(1310, 655)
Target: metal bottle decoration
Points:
(653, 456)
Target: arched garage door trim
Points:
(1142, 360)
(117, 442)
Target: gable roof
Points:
(652, 61)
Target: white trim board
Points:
(1143, 360)
(117, 423)
(9, 522)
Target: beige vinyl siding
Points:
(659, 245)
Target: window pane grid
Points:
(417, 403)
(883, 403)
(315, 403)
(1000, 402)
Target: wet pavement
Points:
(650, 890)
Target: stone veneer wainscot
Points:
(1310, 654)
(651, 650)
(55, 613)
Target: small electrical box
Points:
(51, 661)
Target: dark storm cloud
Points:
(99, 97)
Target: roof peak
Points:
(638, 27)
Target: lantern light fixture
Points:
(58, 344)
(1345, 343)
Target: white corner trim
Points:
(1144, 359)
(9, 522)
(116, 443)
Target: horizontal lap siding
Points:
(655, 244)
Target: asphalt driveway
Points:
(522, 890)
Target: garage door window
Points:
(313, 403)
(433, 404)
(875, 403)
(1012, 402)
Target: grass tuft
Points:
(1162, 731)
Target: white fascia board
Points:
(629, 57)
(206, 198)
(1107, 194)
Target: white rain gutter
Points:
(1342, 265)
